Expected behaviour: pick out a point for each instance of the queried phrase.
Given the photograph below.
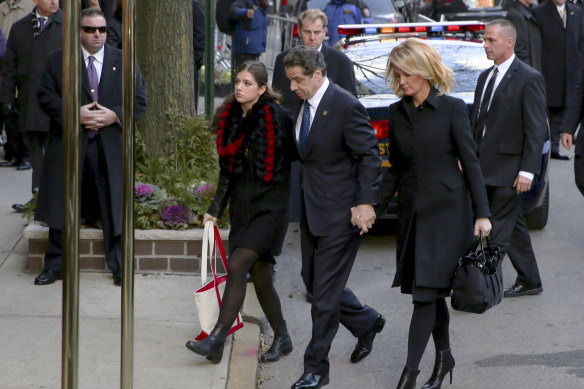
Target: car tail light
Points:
(381, 128)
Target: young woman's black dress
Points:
(258, 201)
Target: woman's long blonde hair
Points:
(416, 57)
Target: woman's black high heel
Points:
(408, 379)
(212, 346)
(281, 345)
(443, 365)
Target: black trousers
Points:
(511, 233)
(96, 205)
(36, 141)
(555, 117)
(237, 59)
(326, 265)
(15, 145)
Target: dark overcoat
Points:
(563, 48)
(425, 149)
(26, 56)
(339, 69)
(50, 206)
(528, 44)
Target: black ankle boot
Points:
(281, 345)
(408, 379)
(212, 346)
(443, 364)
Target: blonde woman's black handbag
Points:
(478, 280)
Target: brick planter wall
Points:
(155, 251)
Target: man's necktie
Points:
(93, 84)
(482, 120)
(563, 15)
(42, 22)
(304, 126)
(92, 73)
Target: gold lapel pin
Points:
(571, 12)
(114, 68)
(508, 76)
(325, 113)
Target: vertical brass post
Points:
(210, 56)
(129, 62)
(72, 178)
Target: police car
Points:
(461, 47)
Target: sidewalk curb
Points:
(243, 363)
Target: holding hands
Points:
(363, 216)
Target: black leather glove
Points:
(9, 110)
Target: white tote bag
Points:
(208, 296)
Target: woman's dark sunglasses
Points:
(91, 29)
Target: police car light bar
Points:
(401, 28)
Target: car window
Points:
(466, 59)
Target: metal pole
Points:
(129, 63)
(72, 178)
(210, 57)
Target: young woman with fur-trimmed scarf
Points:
(255, 145)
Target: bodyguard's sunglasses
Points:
(91, 29)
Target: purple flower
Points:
(175, 214)
(204, 190)
(143, 190)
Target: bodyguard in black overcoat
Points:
(563, 59)
(107, 144)
(574, 116)
(312, 30)
(26, 56)
(528, 44)
(509, 148)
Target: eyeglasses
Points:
(92, 30)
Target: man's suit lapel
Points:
(109, 69)
(554, 14)
(321, 115)
(478, 94)
(506, 80)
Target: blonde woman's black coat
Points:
(426, 145)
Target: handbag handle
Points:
(210, 240)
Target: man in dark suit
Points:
(509, 124)
(562, 37)
(341, 173)
(528, 45)
(101, 145)
(312, 31)
(31, 40)
(574, 116)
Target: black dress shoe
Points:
(312, 381)
(24, 165)
(117, 279)
(20, 208)
(522, 290)
(47, 277)
(557, 155)
(12, 163)
(365, 342)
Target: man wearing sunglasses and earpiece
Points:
(101, 119)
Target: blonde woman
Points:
(435, 170)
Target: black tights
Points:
(428, 318)
(242, 261)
